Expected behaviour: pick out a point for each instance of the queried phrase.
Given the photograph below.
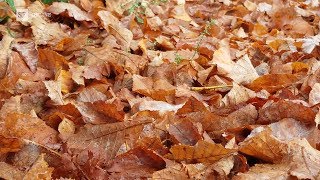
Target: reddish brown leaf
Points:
(273, 82)
(286, 109)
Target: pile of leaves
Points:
(161, 89)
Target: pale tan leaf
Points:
(314, 95)
(265, 171)
(44, 32)
(10, 172)
(54, 89)
(73, 11)
(5, 51)
(40, 170)
(243, 71)
(112, 23)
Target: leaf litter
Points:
(159, 89)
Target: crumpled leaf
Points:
(73, 11)
(239, 118)
(202, 152)
(219, 170)
(100, 112)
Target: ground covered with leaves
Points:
(160, 89)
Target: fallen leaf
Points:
(104, 139)
(5, 51)
(8, 171)
(136, 163)
(185, 132)
(243, 71)
(29, 53)
(72, 10)
(286, 109)
(273, 82)
(112, 24)
(54, 89)
(39, 170)
(202, 152)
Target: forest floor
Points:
(159, 89)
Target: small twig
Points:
(209, 87)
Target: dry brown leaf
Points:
(44, 32)
(54, 89)
(5, 51)
(135, 164)
(10, 172)
(244, 116)
(286, 109)
(314, 97)
(156, 89)
(27, 127)
(39, 170)
(202, 152)
(73, 11)
(261, 144)
(51, 60)
(29, 53)
(104, 139)
(265, 171)
(112, 24)
(185, 132)
(243, 71)
(218, 170)
(238, 94)
(273, 82)
(65, 80)
(9, 145)
(100, 112)
(179, 12)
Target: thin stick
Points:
(209, 87)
